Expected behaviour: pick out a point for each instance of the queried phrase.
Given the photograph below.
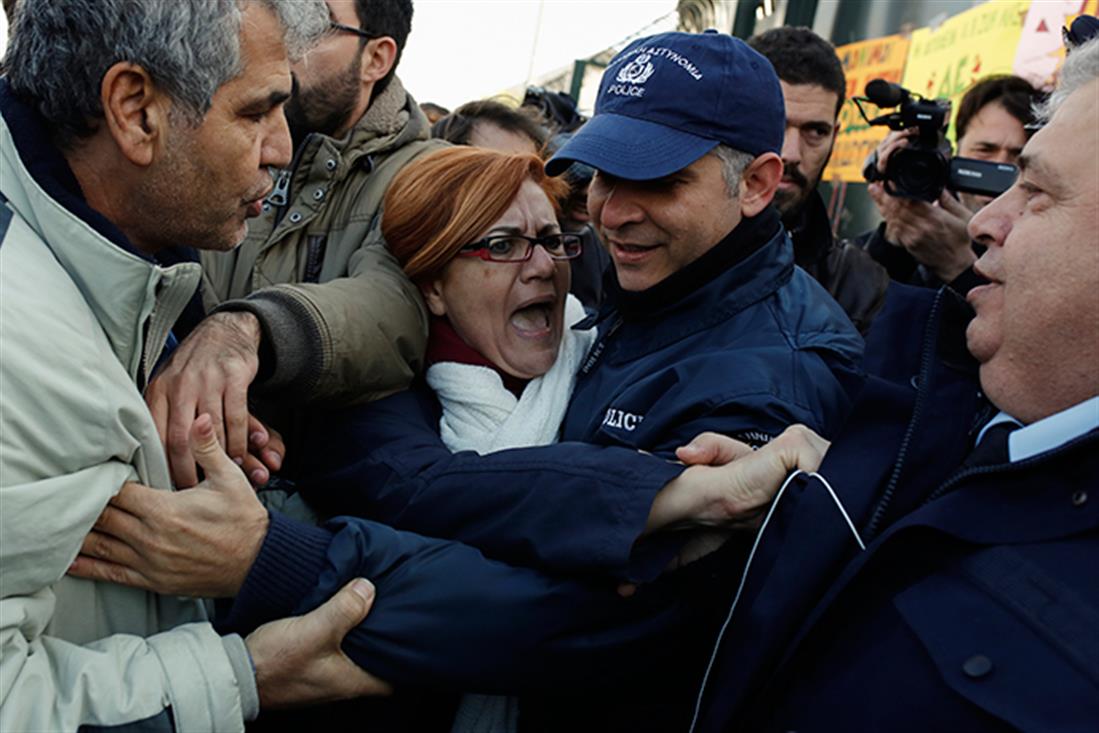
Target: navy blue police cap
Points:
(667, 100)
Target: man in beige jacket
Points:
(128, 128)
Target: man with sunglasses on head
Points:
(311, 308)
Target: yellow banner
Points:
(944, 62)
(878, 58)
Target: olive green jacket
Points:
(341, 322)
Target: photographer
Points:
(926, 243)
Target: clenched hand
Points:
(935, 234)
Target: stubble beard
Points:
(174, 208)
(791, 205)
(326, 106)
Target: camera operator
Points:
(926, 243)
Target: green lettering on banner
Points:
(941, 41)
(851, 120)
(956, 80)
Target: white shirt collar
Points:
(1049, 432)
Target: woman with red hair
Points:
(477, 230)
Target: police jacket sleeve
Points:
(446, 617)
(568, 506)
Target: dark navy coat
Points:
(975, 605)
(446, 617)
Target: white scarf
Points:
(480, 414)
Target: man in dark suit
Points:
(941, 570)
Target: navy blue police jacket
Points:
(739, 342)
(566, 507)
(975, 603)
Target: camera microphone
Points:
(885, 94)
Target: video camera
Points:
(924, 168)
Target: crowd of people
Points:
(321, 408)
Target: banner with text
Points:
(998, 37)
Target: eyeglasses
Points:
(518, 248)
(333, 25)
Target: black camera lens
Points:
(917, 173)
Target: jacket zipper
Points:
(926, 362)
(280, 195)
(314, 260)
(747, 568)
(143, 376)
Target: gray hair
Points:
(61, 49)
(733, 165)
(1080, 69)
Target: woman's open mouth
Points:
(533, 320)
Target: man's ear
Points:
(378, 58)
(433, 296)
(759, 183)
(135, 111)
